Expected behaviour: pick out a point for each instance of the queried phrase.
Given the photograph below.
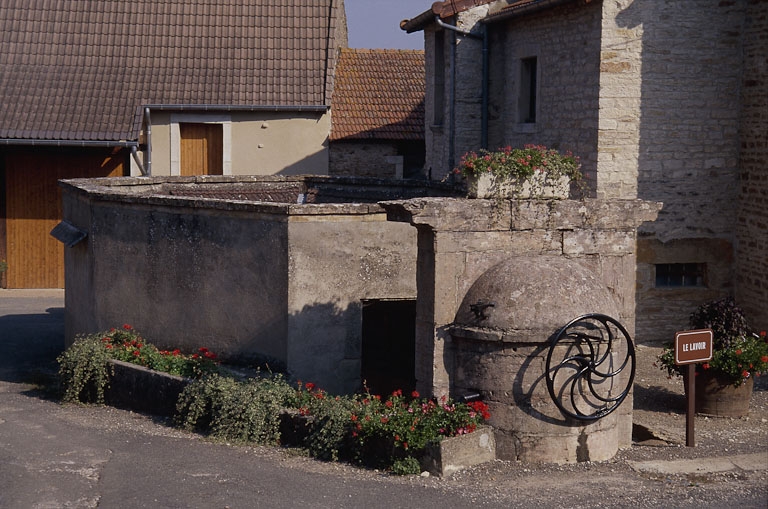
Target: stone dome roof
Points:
(532, 298)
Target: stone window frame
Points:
(522, 54)
(197, 118)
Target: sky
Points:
(376, 23)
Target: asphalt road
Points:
(61, 456)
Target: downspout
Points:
(148, 150)
(484, 88)
(135, 155)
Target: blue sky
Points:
(376, 23)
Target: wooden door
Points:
(202, 149)
(33, 207)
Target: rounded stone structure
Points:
(502, 334)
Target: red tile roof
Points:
(379, 95)
(82, 69)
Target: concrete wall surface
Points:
(198, 261)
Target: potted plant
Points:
(724, 384)
(533, 171)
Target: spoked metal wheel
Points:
(590, 367)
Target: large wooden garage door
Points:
(33, 208)
(202, 149)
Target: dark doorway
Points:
(389, 345)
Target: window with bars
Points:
(675, 275)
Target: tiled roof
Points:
(499, 10)
(81, 69)
(379, 95)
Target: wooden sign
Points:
(693, 346)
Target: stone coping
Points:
(474, 215)
(356, 195)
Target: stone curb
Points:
(745, 462)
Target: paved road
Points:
(54, 455)
(69, 456)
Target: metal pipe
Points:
(135, 154)
(68, 143)
(148, 147)
(220, 107)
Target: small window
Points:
(527, 99)
(673, 275)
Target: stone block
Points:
(456, 453)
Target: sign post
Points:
(692, 347)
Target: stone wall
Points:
(459, 240)
(365, 159)
(566, 44)
(199, 261)
(688, 150)
(752, 232)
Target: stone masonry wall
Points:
(620, 95)
(566, 44)
(458, 240)
(752, 232)
(678, 140)
(363, 159)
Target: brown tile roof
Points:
(379, 95)
(499, 10)
(81, 69)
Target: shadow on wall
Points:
(342, 350)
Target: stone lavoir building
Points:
(662, 101)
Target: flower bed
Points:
(399, 433)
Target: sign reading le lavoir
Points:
(693, 346)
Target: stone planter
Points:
(141, 389)
(487, 186)
(716, 395)
(456, 453)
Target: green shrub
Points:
(239, 411)
(84, 371)
(406, 466)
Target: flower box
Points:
(456, 453)
(537, 186)
(141, 389)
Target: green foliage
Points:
(369, 430)
(736, 352)
(240, 411)
(127, 345)
(3, 266)
(83, 370)
(406, 466)
(520, 163)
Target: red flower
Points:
(384, 420)
(209, 355)
(354, 418)
(738, 351)
(397, 393)
(127, 327)
(705, 365)
(136, 353)
(310, 386)
(415, 394)
(764, 358)
(319, 395)
(388, 404)
(745, 374)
